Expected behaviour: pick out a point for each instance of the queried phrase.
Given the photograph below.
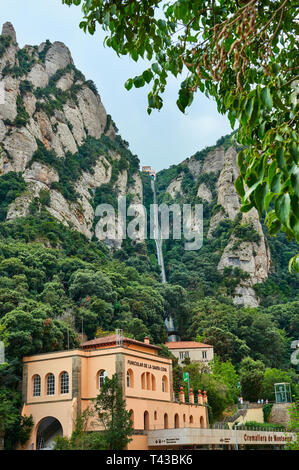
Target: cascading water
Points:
(172, 333)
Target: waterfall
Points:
(172, 336)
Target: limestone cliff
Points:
(49, 112)
(208, 177)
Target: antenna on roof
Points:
(119, 337)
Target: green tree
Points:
(80, 438)
(14, 428)
(293, 425)
(111, 409)
(244, 56)
(227, 373)
(251, 378)
(200, 378)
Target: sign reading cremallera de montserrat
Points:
(146, 366)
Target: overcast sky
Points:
(161, 139)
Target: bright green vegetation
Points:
(71, 167)
(5, 42)
(108, 410)
(26, 61)
(12, 185)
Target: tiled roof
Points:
(186, 345)
(105, 340)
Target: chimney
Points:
(146, 340)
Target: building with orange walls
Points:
(59, 386)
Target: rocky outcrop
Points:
(204, 193)
(175, 187)
(61, 128)
(252, 257)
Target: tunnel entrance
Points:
(48, 429)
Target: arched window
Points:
(191, 421)
(50, 384)
(164, 384)
(36, 386)
(101, 378)
(132, 416)
(202, 422)
(165, 421)
(143, 381)
(153, 382)
(130, 378)
(155, 415)
(148, 380)
(64, 383)
(176, 421)
(146, 420)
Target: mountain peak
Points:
(9, 30)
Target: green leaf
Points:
(268, 199)
(259, 196)
(246, 207)
(267, 98)
(295, 182)
(129, 84)
(251, 189)
(147, 75)
(280, 158)
(282, 208)
(276, 184)
(271, 172)
(249, 107)
(156, 68)
(239, 186)
(294, 152)
(139, 81)
(294, 264)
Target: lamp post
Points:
(236, 432)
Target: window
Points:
(64, 383)
(132, 416)
(155, 415)
(102, 376)
(143, 381)
(50, 384)
(146, 420)
(36, 386)
(130, 378)
(191, 420)
(165, 421)
(153, 382)
(204, 354)
(164, 384)
(184, 355)
(176, 421)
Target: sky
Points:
(165, 137)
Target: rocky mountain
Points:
(236, 258)
(60, 151)
(55, 131)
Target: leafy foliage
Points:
(12, 185)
